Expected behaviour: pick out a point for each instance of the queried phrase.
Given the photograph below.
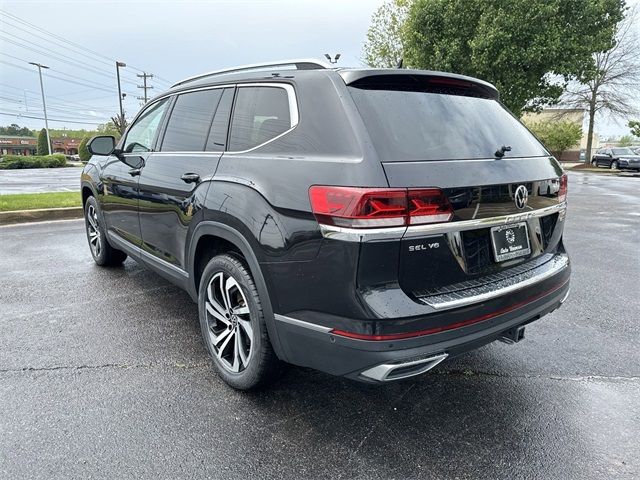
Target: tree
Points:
(383, 46)
(15, 129)
(529, 49)
(120, 122)
(109, 128)
(557, 136)
(634, 125)
(625, 141)
(83, 152)
(615, 81)
(42, 143)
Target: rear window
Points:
(418, 125)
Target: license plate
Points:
(510, 241)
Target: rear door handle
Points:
(190, 177)
(134, 172)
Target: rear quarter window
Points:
(422, 125)
(260, 114)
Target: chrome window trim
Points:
(394, 233)
(294, 115)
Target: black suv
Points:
(616, 157)
(366, 223)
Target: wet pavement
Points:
(103, 375)
(36, 180)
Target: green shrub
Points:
(83, 152)
(12, 162)
(42, 143)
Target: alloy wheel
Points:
(614, 165)
(95, 242)
(229, 322)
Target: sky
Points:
(172, 39)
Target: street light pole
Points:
(118, 65)
(44, 104)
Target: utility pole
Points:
(118, 65)
(44, 104)
(146, 87)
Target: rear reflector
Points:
(564, 185)
(356, 207)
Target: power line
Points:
(69, 42)
(19, 115)
(61, 101)
(60, 58)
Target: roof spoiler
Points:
(408, 79)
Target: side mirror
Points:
(102, 145)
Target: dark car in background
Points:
(366, 223)
(616, 158)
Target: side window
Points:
(260, 114)
(218, 134)
(190, 121)
(142, 133)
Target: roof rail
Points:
(300, 64)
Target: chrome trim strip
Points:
(126, 245)
(361, 234)
(464, 297)
(566, 295)
(302, 324)
(254, 66)
(394, 233)
(440, 228)
(381, 372)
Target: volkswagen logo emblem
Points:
(521, 197)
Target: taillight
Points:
(357, 207)
(428, 206)
(564, 185)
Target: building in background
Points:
(13, 145)
(576, 115)
(66, 145)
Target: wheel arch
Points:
(87, 191)
(219, 237)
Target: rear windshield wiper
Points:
(502, 150)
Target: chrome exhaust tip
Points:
(397, 371)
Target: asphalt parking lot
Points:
(36, 180)
(103, 375)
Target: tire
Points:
(594, 163)
(614, 165)
(233, 325)
(101, 251)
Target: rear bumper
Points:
(313, 343)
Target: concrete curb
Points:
(40, 215)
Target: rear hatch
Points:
(452, 133)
